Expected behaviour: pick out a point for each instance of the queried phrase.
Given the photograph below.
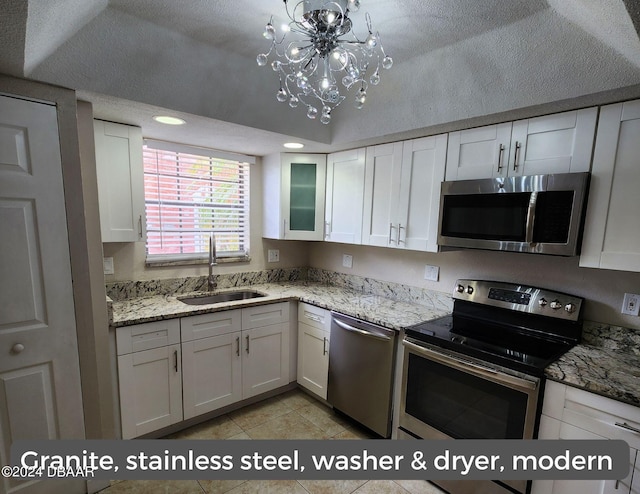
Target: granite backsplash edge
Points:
(601, 335)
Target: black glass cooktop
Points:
(509, 345)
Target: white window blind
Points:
(191, 193)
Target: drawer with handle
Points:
(313, 316)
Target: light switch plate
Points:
(273, 255)
(347, 261)
(107, 265)
(431, 273)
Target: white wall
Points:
(602, 289)
(129, 258)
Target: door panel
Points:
(39, 367)
(381, 194)
(212, 373)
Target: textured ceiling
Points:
(455, 61)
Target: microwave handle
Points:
(531, 217)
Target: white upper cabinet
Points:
(558, 143)
(294, 194)
(120, 181)
(402, 193)
(423, 167)
(478, 153)
(612, 226)
(345, 196)
(383, 172)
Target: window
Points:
(191, 193)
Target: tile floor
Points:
(292, 415)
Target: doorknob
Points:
(17, 348)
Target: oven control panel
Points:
(519, 297)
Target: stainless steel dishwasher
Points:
(361, 371)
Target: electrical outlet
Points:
(107, 265)
(347, 261)
(631, 304)
(431, 273)
(273, 255)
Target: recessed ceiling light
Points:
(293, 145)
(165, 119)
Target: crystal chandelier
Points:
(322, 58)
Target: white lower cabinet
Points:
(265, 363)
(571, 413)
(232, 355)
(203, 359)
(314, 328)
(223, 358)
(149, 376)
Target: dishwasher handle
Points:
(363, 332)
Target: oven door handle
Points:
(361, 331)
(464, 365)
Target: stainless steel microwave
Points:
(541, 214)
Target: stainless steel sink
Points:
(217, 298)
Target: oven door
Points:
(451, 396)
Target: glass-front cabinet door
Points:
(303, 182)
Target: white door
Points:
(482, 152)
(558, 143)
(303, 192)
(568, 431)
(345, 196)
(381, 195)
(40, 396)
(265, 362)
(423, 164)
(313, 359)
(612, 225)
(212, 373)
(120, 181)
(150, 390)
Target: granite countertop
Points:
(606, 363)
(376, 309)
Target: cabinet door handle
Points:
(500, 157)
(391, 227)
(238, 346)
(324, 346)
(175, 360)
(140, 227)
(516, 156)
(327, 229)
(624, 425)
(247, 344)
(400, 228)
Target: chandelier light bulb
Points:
(319, 47)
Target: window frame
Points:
(211, 155)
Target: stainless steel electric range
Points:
(479, 372)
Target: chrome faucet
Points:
(211, 282)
